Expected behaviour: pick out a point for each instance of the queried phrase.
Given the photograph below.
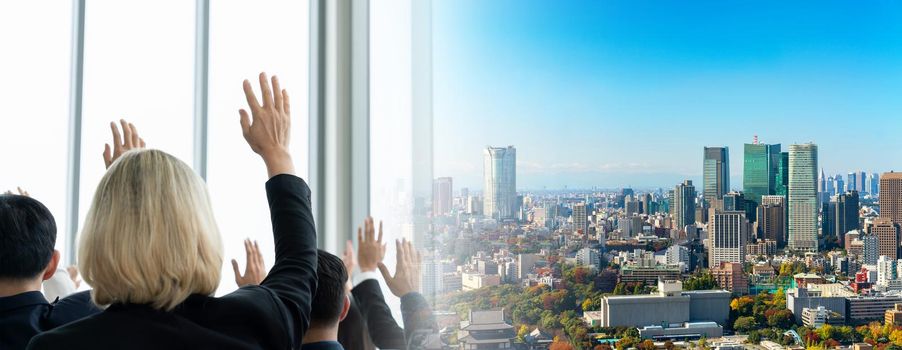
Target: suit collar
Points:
(22, 300)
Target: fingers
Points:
(379, 240)
(399, 255)
(359, 236)
(370, 230)
(249, 95)
(107, 155)
(385, 274)
(245, 122)
(117, 139)
(248, 251)
(22, 192)
(136, 141)
(143, 145)
(127, 134)
(349, 249)
(285, 105)
(259, 256)
(266, 91)
(278, 94)
(236, 270)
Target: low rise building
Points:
(486, 330)
(819, 316)
(649, 275)
(473, 281)
(894, 316)
(865, 308)
(670, 305)
(684, 331)
(729, 276)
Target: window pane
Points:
(137, 67)
(391, 153)
(35, 98)
(245, 39)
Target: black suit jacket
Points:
(273, 315)
(381, 325)
(22, 316)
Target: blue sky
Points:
(617, 93)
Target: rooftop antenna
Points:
(755, 141)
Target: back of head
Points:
(329, 300)
(27, 237)
(149, 236)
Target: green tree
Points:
(745, 324)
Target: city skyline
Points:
(618, 94)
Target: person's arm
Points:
(383, 329)
(293, 276)
(418, 318)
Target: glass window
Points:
(139, 64)
(247, 38)
(391, 162)
(35, 97)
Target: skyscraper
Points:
(874, 184)
(845, 213)
(683, 205)
(803, 197)
(442, 196)
(580, 220)
(772, 219)
(782, 180)
(838, 185)
(759, 172)
(887, 232)
(729, 235)
(716, 175)
(862, 185)
(852, 181)
(891, 196)
(500, 176)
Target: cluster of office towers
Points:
(781, 198)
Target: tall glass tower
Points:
(500, 176)
(781, 181)
(759, 172)
(803, 197)
(716, 175)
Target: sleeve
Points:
(58, 286)
(293, 276)
(419, 323)
(384, 330)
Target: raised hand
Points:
(121, 144)
(21, 192)
(73, 275)
(269, 131)
(348, 257)
(370, 250)
(255, 271)
(407, 271)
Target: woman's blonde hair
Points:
(150, 236)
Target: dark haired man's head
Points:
(330, 304)
(27, 238)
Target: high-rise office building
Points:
(839, 186)
(870, 250)
(772, 219)
(580, 219)
(500, 176)
(442, 196)
(862, 185)
(716, 174)
(852, 181)
(874, 184)
(822, 182)
(683, 205)
(759, 172)
(782, 179)
(887, 232)
(891, 196)
(803, 197)
(728, 234)
(845, 211)
(828, 218)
